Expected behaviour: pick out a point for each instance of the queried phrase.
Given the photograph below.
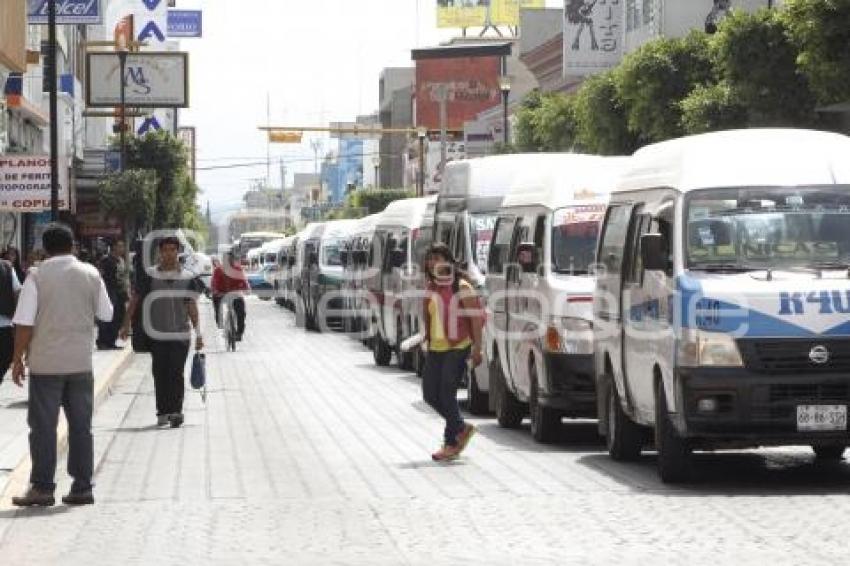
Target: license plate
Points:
(821, 417)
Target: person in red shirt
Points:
(228, 281)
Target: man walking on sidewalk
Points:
(54, 325)
(10, 286)
(169, 296)
(113, 269)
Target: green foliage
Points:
(758, 61)
(129, 197)
(821, 31)
(376, 200)
(711, 108)
(546, 122)
(602, 127)
(175, 196)
(653, 80)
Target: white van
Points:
(282, 275)
(355, 259)
(539, 281)
(325, 299)
(722, 303)
(306, 260)
(393, 273)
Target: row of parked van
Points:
(695, 295)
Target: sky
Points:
(315, 61)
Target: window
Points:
(540, 234)
(648, 9)
(501, 245)
(614, 237)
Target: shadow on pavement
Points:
(768, 474)
(24, 512)
(580, 437)
(430, 464)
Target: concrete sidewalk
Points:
(14, 431)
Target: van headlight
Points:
(569, 335)
(699, 348)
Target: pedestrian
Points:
(453, 324)
(168, 293)
(54, 322)
(229, 282)
(14, 257)
(10, 286)
(113, 269)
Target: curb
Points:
(19, 478)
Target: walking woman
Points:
(453, 324)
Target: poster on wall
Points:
(25, 183)
(593, 36)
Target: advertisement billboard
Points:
(470, 86)
(593, 33)
(153, 80)
(480, 13)
(25, 183)
(68, 12)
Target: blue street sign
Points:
(112, 161)
(149, 125)
(151, 30)
(185, 23)
(68, 12)
(151, 4)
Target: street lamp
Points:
(122, 60)
(422, 133)
(51, 69)
(505, 87)
(376, 161)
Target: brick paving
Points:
(305, 453)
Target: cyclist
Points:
(229, 279)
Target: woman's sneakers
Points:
(464, 437)
(446, 454)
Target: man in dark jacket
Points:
(10, 286)
(113, 269)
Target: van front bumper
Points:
(571, 386)
(755, 408)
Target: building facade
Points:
(395, 96)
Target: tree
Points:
(130, 197)
(652, 82)
(601, 119)
(821, 31)
(756, 58)
(376, 200)
(163, 153)
(711, 108)
(546, 122)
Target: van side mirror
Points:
(397, 258)
(343, 258)
(527, 257)
(291, 261)
(313, 259)
(653, 252)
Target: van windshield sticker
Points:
(706, 236)
(579, 214)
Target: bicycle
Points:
(230, 329)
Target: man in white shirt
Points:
(10, 286)
(54, 330)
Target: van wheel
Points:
(405, 359)
(545, 422)
(509, 411)
(381, 351)
(300, 313)
(829, 453)
(477, 402)
(623, 436)
(674, 453)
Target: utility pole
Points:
(54, 110)
(122, 60)
(268, 142)
(420, 184)
(443, 94)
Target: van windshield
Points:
(332, 254)
(575, 233)
(481, 235)
(768, 228)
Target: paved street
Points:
(305, 453)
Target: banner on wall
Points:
(25, 183)
(593, 36)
